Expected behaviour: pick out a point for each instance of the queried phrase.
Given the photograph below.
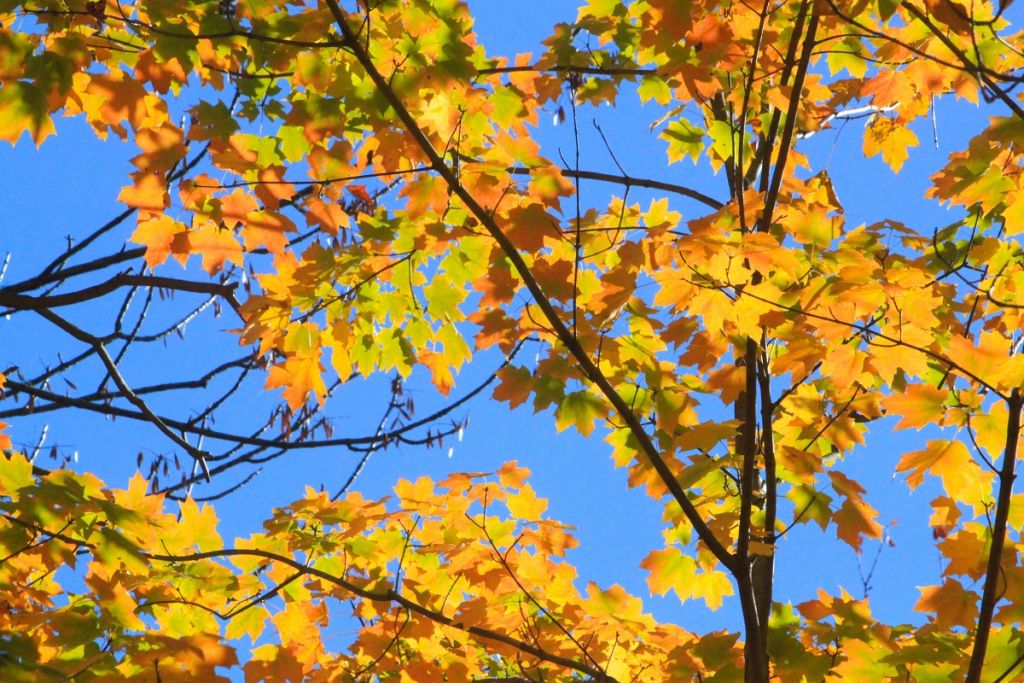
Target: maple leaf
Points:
(148, 194)
(15, 474)
(855, 518)
(266, 228)
(235, 208)
(890, 138)
(615, 602)
(952, 462)
(950, 603)
(579, 409)
(23, 109)
(669, 569)
(515, 387)
(360, 193)
(918, 405)
(216, 245)
(162, 236)
(299, 375)
(200, 525)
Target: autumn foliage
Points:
(367, 189)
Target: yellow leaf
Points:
(918, 406)
(579, 409)
(614, 602)
(890, 138)
(525, 504)
(949, 460)
(711, 587)
(200, 525)
(249, 622)
(989, 362)
(15, 473)
(670, 569)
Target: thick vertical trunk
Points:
(993, 574)
(755, 569)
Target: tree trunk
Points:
(993, 573)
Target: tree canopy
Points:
(368, 191)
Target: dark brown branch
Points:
(993, 570)
(17, 301)
(590, 70)
(81, 269)
(115, 374)
(629, 181)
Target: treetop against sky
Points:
(267, 257)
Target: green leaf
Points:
(655, 88)
(810, 505)
(723, 139)
(579, 409)
(23, 109)
(670, 569)
(886, 8)
(294, 145)
(684, 139)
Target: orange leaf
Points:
(890, 138)
(273, 188)
(950, 603)
(360, 193)
(511, 475)
(527, 227)
(515, 387)
(440, 370)
(990, 361)
(918, 406)
(299, 375)
(216, 245)
(328, 216)
(266, 228)
(235, 208)
(949, 460)
(162, 236)
(148, 195)
(5, 441)
(855, 518)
